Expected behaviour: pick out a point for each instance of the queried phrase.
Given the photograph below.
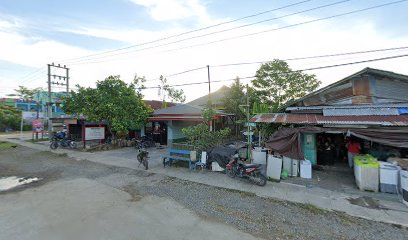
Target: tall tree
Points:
(234, 98)
(166, 91)
(113, 101)
(26, 93)
(276, 83)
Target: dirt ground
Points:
(243, 215)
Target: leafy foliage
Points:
(25, 93)
(113, 101)
(276, 83)
(234, 98)
(9, 118)
(166, 91)
(201, 138)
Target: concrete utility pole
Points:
(56, 81)
(248, 128)
(209, 94)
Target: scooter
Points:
(143, 157)
(248, 171)
(63, 142)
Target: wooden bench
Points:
(178, 155)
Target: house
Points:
(370, 106)
(166, 123)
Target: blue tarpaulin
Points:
(403, 110)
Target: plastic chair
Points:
(203, 161)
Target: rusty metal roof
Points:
(316, 119)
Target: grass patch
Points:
(312, 208)
(241, 193)
(62, 155)
(36, 140)
(7, 145)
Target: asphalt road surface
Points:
(86, 200)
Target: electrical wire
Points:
(207, 34)
(288, 26)
(287, 59)
(306, 69)
(189, 32)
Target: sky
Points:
(179, 38)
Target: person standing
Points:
(353, 148)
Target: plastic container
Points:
(366, 172)
(215, 167)
(259, 157)
(389, 174)
(404, 186)
(306, 169)
(291, 166)
(274, 167)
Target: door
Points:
(309, 147)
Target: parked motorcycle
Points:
(144, 142)
(63, 142)
(143, 157)
(248, 171)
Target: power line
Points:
(192, 31)
(313, 57)
(179, 73)
(306, 69)
(207, 34)
(288, 26)
(287, 59)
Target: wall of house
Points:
(174, 129)
(387, 90)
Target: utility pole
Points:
(248, 127)
(56, 81)
(209, 95)
(49, 106)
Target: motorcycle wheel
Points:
(261, 181)
(146, 163)
(54, 145)
(230, 173)
(72, 145)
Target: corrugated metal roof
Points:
(367, 70)
(361, 112)
(315, 119)
(179, 109)
(395, 105)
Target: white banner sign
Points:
(32, 115)
(94, 133)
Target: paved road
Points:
(78, 199)
(84, 200)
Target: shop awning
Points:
(316, 119)
(286, 141)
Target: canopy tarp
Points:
(286, 141)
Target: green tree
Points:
(234, 98)
(166, 91)
(25, 93)
(200, 137)
(113, 101)
(9, 118)
(276, 83)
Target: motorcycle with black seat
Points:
(251, 172)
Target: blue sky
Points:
(34, 33)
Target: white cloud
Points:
(306, 40)
(165, 10)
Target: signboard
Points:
(32, 115)
(94, 133)
(37, 125)
(246, 133)
(250, 124)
